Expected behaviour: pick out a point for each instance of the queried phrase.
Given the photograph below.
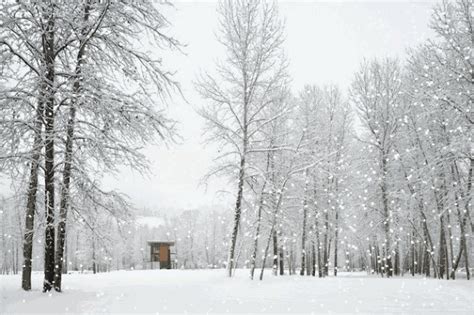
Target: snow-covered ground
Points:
(209, 291)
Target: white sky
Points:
(326, 41)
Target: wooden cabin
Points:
(161, 254)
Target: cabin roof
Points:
(157, 242)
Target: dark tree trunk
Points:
(412, 254)
(65, 188)
(397, 261)
(303, 238)
(388, 268)
(309, 262)
(275, 253)
(318, 245)
(281, 252)
(94, 265)
(31, 197)
(326, 250)
(48, 51)
(238, 210)
(253, 258)
(463, 219)
(443, 257)
(336, 234)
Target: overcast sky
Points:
(325, 43)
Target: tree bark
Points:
(31, 197)
(303, 238)
(387, 243)
(336, 234)
(281, 252)
(49, 53)
(275, 253)
(238, 210)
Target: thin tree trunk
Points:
(303, 235)
(325, 249)
(316, 232)
(253, 258)
(265, 252)
(387, 243)
(259, 220)
(412, 254)
(336, 234)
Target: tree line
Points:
(380, 176)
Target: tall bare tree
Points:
(242, 87)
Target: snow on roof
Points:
(160, 242)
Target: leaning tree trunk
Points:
(274, 223)
(462, 225)
(466, 216)
(238, 210)
(253, 258)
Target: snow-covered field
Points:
(209, 291)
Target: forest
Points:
(376, 178)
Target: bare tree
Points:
(242, 88)
(375, 92)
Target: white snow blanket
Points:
(210, 291)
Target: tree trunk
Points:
(94, 266)
(412, 254)
(443, 257)
(303, 236)
(318, 240)
(31, 197)
(326, 250)
(281, 252)
(253, 258)
(336, 234)
(65, 188)
(265, 253)
(49, 52)
(275, 253)
(238, 210)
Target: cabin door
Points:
(164, 256)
